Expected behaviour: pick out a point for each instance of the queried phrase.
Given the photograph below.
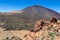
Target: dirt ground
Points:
(28, 35)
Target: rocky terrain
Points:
(31, 23)
(49, 31)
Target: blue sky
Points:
(9, 5)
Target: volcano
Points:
(30, 14)
(37, 12)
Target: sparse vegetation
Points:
(14, 23)
(18, 25)
(12, 38)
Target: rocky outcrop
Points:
(50, 31)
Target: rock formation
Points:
(48, 32)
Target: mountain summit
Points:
(36, 12)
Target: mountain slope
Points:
(38, 12)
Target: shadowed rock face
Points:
(38, 12)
